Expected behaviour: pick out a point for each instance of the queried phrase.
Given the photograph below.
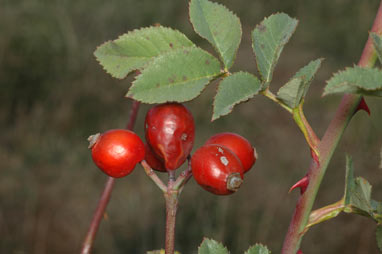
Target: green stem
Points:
(153, 176)
(306, 129)
(267, 93)
(324, 213)
(326, 147)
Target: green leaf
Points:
(377, 41)
(234, 89)
(349, 180)
(357, 197)
(360, 197)
(376, 206)
(210, 246)
(307, 74)
(378, 235)
(358, 80)
(219, 26)
(133, 50)
(268, 41)
(179, 75)
(258, 249)
(292, 92)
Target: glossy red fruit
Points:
(152, 159)
(170, 132)
(217, 169)
(116, 152)
(238, 145)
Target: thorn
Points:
(302, 184)
(105, 216)
(363, 106)
(315, 156)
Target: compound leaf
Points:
(210, 246)
(258, 249)
(358, 80)
(234, 89)
(377, 41)
(268, 41)
(134, 49)
(179, 75)
(219, 26)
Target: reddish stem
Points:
(105, 196)
(326, 149)
(171, 197)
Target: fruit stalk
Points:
(171, 197)
(105, 196)
(326, 148)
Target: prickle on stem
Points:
(363, 106)
(302, 184)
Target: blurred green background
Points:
(54, 95)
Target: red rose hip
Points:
(170, 131)
(116, 152)
(152, 159)
(217, 169)
(238, 145)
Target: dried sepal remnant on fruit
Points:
(116, 152)
(217, 169)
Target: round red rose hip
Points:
(116, 152)
(217, 169)
(238, 145)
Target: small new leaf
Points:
(357, 80)
(377, 41)
(307, 74)
(268, 41)
(349, 180)
(219, 26)
(210, 246)
(179, 75)
(258, 249)
(291, 93)
(357, 197)
(234, 89)
(378, 235)
(360, 198)
(133, 50)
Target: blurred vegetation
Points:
(53, 94)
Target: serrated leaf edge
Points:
(280, 46)
(120, 37)
(238, 102)
(348, 83)
(258, 244)
(210, 78)
(213, 44)
(210, 239)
